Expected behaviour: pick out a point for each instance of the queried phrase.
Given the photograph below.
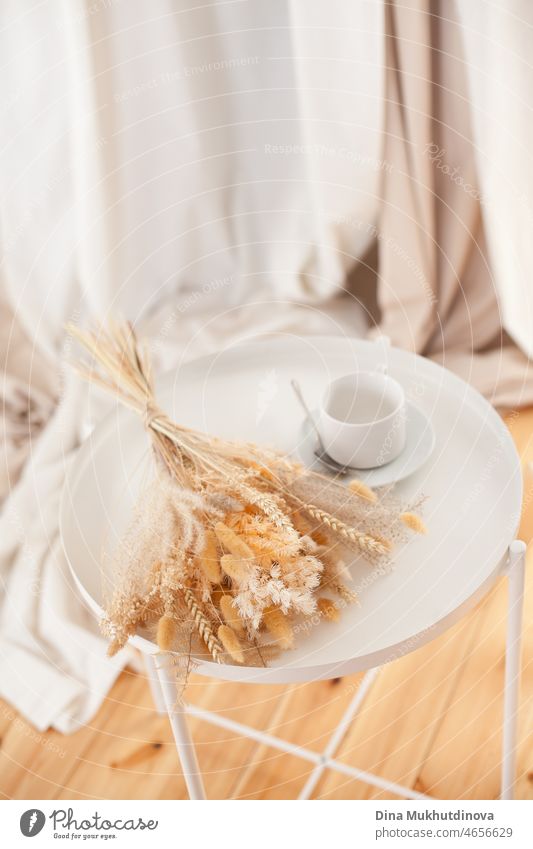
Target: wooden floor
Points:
(431, 721)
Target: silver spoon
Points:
(320, 452)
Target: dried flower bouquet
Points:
(231, 544)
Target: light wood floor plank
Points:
(395, 729)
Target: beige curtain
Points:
(436, 292)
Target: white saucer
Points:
(418, 448)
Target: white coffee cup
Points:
(362, 419)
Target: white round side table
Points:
(473, 489)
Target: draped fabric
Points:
(445, 290)
(195, 169)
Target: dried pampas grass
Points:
(231, 543)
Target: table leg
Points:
(515, 606)
(155, 685)
(180, 728)
(339, 733)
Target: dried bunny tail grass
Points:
(167, 629)
(231, 643)
(366, 542)
(236, 568)
(413, 522)
(208, 559)
(328, 609)
(362, 491)
(233, 542)
(201, 623)
(230, 614)
(278, 627)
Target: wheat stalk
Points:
(201, 623)
(365, 542)
(349, 596)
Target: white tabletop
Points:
(472, 483)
